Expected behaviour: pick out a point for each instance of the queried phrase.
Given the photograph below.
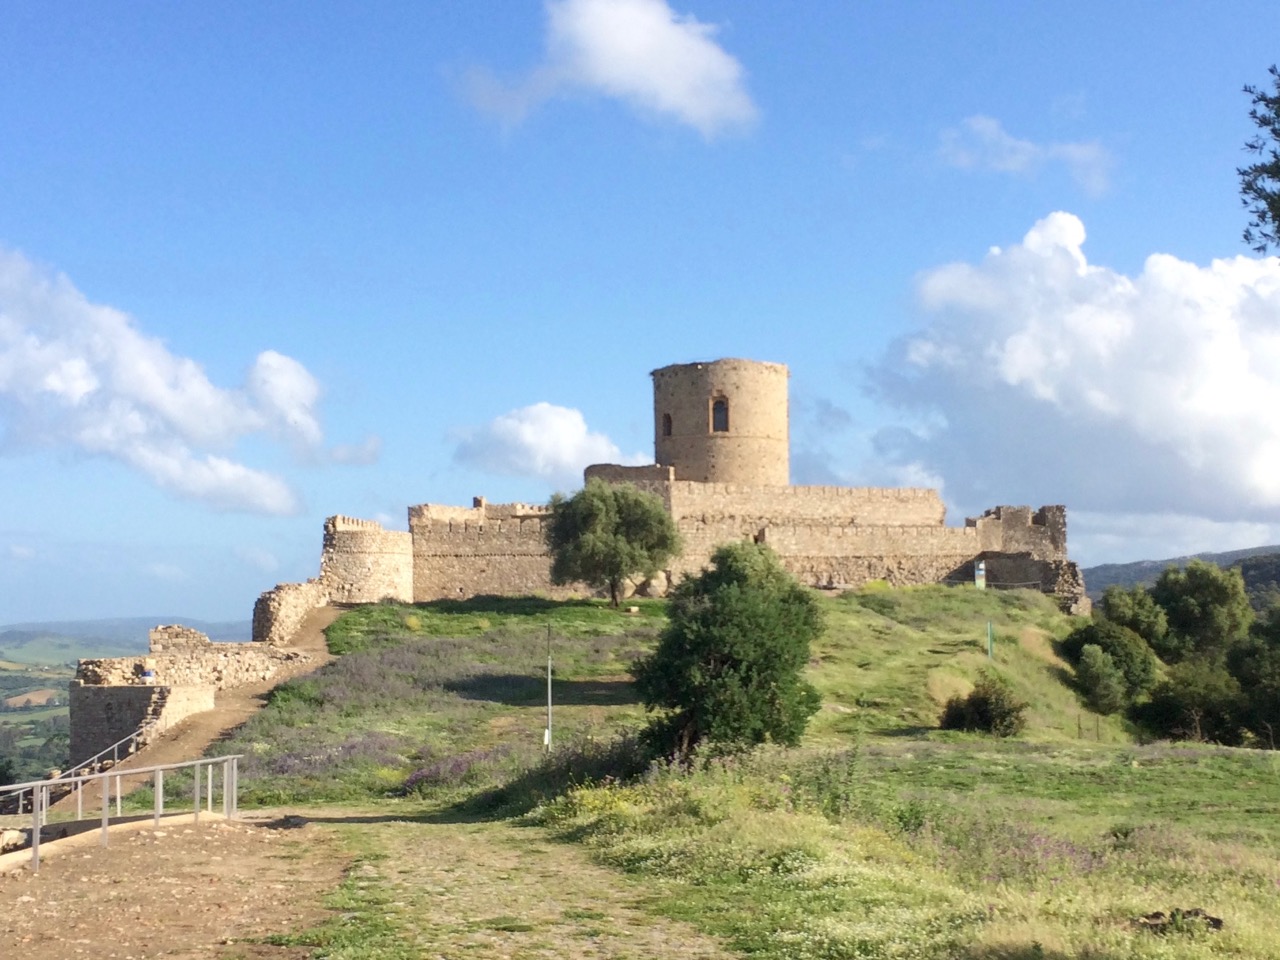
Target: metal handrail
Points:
(88, 766)
(40, 793)
(114, 750)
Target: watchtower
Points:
(723, 421)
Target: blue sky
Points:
(265, 262)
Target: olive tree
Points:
(728, 668)
(607, 532)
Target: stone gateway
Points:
(722, 469)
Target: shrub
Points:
(1207, 607)
(1101, 683)
(1128, 652)
(1136, 609)
(728, 667)
(1199, 701)
(990, 707)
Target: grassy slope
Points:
(881, 838)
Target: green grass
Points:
(951, 851)
(525, 617)
(24, 715)
(881, 837)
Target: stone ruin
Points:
(722, 467)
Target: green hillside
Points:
(453, 685)
(880, 837)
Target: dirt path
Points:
(182, 891)
(496, 890)
(480, 890)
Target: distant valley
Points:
(62, 641)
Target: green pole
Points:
(990, 642)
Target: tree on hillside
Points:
(1200, 700)
(1137, 610)
(607, 532)
(1101, 683)
(1207, 609)
(728, 667)
(1126, 650)
(7, 775)
(1260, 182)
(990, 707)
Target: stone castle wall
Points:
(111, 697)
(487, 549)
(831, 537)
(278, 613)
(180, 656)
(361, 562)
(102, 716)
(721, 437)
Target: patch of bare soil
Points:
(183, 890)
(33, 698)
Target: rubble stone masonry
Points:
(113, 697)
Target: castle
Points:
(722, 469)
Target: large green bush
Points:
(1126, 649)
(1207, 608)
(1100, 681)
(1136, 609)
(1200, 700)
(728, 667)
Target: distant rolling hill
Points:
(1256, 563)
(59, 641)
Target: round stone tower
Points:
(723, 421)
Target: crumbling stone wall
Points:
(361, 562)
(104, 715)
(278, 613)
(111, 697)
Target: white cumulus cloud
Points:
(543, 440)
(641, 52)
(81, 375)
(1043, 377)
(982, 143)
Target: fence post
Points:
(196, 780)
(158, 799)
(208, 784)
(235, 788)
(226, 789)
(106, 806)
(35, 833)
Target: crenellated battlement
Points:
(720, 440)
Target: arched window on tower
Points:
(719, 415)
(666, 424)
